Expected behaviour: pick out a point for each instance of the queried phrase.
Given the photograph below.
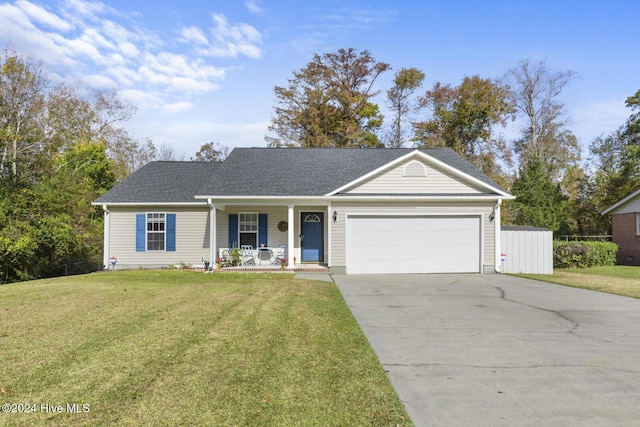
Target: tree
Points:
(211, 152)
(328, 103)
(464, 118)
(168, 152)
(534, 93)
(399, 97)
(615, 165)
(22, 103)
(539, 200)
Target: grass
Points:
(184, 348)
(619, 280)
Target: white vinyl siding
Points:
(397, 180)
(192, 237)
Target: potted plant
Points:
(283, 263)
(218, 261)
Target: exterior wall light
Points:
(335, 216)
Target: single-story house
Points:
(625, 218)
(351, 210)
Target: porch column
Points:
(213, 253)
(290, 236)
(329, 229)
(498, 237)
(107, 232)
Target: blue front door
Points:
(312, 236)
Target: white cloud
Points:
(228, 40)
(253, 7)
(178, 107)
(90, 42)
(42, 16)
(194, 35)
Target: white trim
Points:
(498, 238)
(428, 158)
(107, 237)
(621, 202)
(329, 216)
(143, 204)
(213, 225)
(290, 219)
(146, 231)
(637, 223)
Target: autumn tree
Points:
(400, 99)
(58, 152)
(211, 152)
(465, 118)
(329, 103)
(22, 103)
(615, 166)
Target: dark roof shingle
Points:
(267, 172)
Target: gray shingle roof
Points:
(267, 172)
(313, 171)
(161, 182)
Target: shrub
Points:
(583, 254)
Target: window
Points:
(248, 228)
(155, 231)
(637, 223)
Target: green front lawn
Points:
(619, 280)
(186, 348)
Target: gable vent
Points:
(414, 168)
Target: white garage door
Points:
(413, 244)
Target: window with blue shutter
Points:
(155, 232)
(141, 226)
(171, 232)
(262, 229)
(233, 230)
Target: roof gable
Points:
(418, 173)
(631, 203)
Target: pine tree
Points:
(539, 201)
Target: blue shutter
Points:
(170, 244)
(233, 230)
(141, 232)
(262, 229)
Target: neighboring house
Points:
(625, 218)
(353, 210)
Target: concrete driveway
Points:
(475, 350)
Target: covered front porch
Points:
(281, 235)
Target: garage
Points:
(377, 244)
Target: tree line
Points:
(62, 146)
(330, 103)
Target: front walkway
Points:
(307, 268)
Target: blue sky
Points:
(201, 71)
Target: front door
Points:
(312, 236)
